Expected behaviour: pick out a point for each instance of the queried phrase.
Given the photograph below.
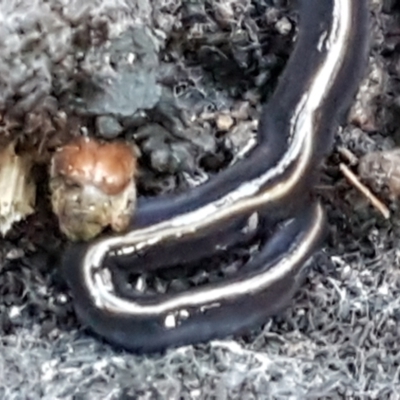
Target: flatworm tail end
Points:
(277, 275)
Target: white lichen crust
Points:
(17, 188)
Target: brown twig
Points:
(354, 180)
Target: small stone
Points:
(127, 79)
(108, 127)
(283, 26)
(224, 122)
(241, 110)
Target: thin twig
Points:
(353, 179)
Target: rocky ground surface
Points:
(201, 70)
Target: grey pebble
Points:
(108, 127)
